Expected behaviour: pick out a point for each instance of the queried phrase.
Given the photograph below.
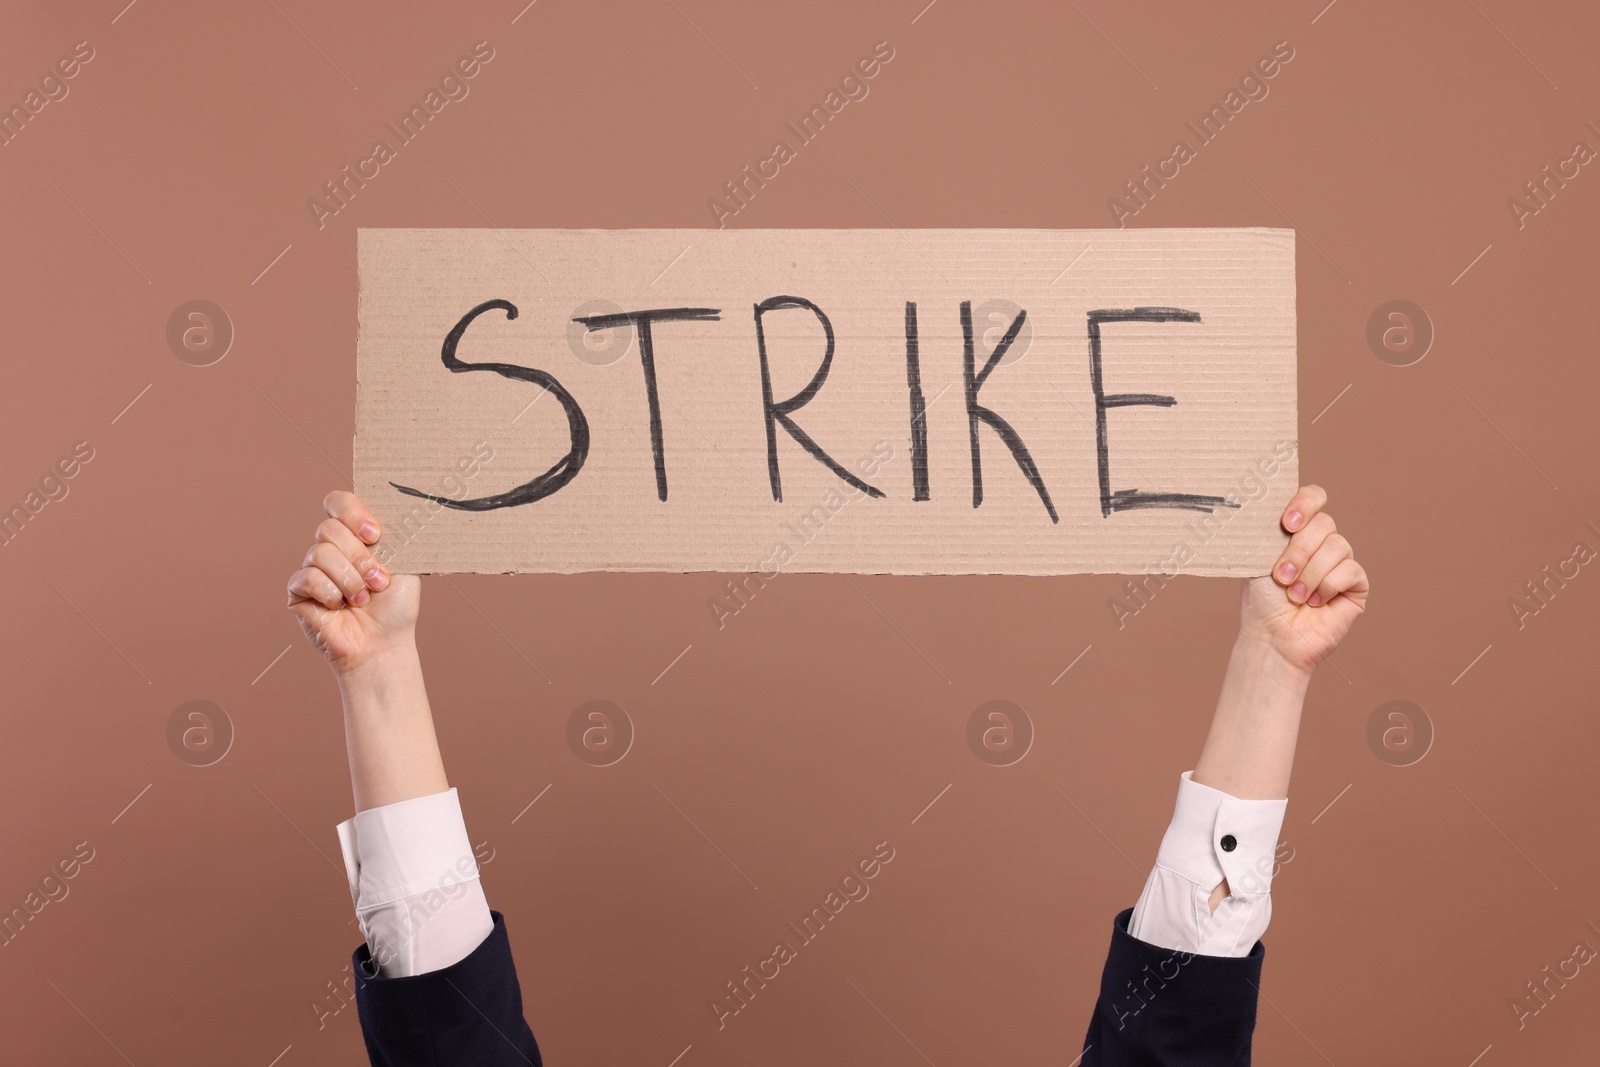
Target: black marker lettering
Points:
(977, 413)
(550, 481)
(641, 321)
(1130, 499)
(780, 412)
(919, 408)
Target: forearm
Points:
(1222, 847)
(413, 872)
(1249, 751)
(394, 753)
(412, 868)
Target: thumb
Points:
(310, 615)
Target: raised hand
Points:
(350, 607)
(1315, 592)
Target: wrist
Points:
(1249, 750)
(379, 673)
(1258, 657)
(389, 733)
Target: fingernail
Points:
(1286, 572)
(361, 597)
(1316, 600)
(1291, 521)
(369, 532)
(1297, 591)
(375, 577)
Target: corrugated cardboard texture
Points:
(473, 434)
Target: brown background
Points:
(824, 717)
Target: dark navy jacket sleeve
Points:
(1159, 1007)
(468, 1013)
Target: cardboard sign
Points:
(862, 401)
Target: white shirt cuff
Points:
(414, 881)
(1213, 835)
